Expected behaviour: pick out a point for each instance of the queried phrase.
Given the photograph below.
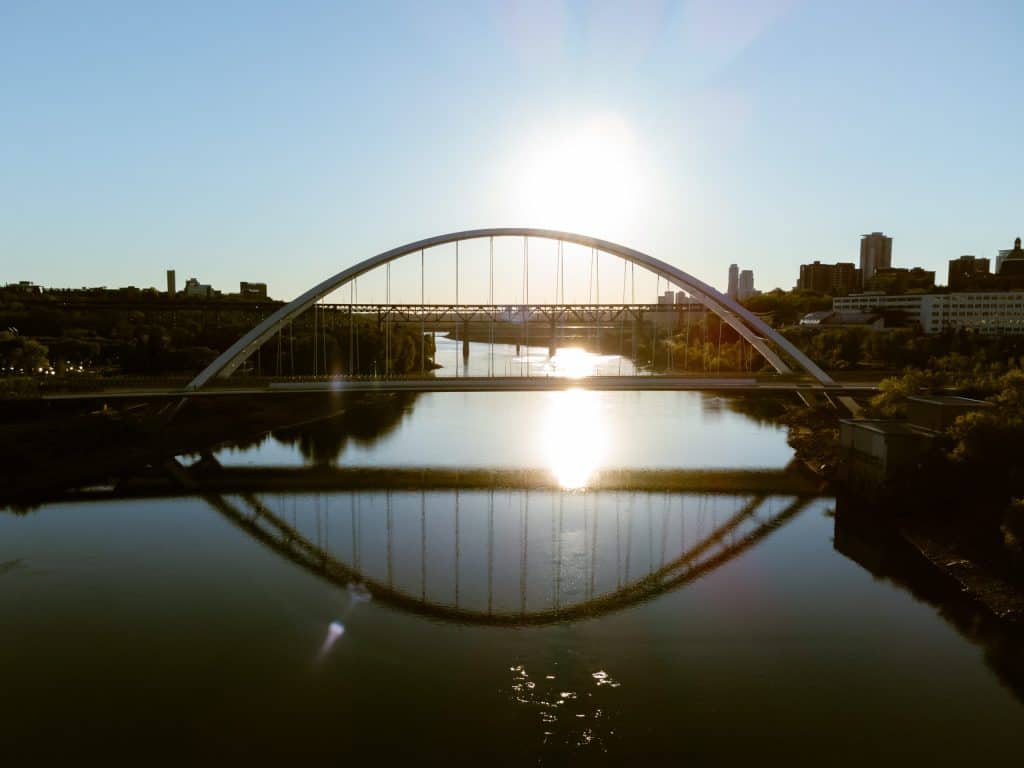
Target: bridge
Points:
(533, 383)
(499, 556)
(210, 476)
(556, 317)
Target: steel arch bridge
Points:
(719, 543)
(766, 340)
(581, 579)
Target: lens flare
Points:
(334, 632)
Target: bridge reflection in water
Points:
(505, 556)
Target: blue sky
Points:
(283, 141)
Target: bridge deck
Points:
(485, 384)
(240, 480)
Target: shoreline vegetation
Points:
(961, 504)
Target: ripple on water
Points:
(574, 718)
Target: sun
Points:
(580, 176)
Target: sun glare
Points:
(572, 362)
(574, 437)
(580, 177)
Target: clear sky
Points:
(282, 141)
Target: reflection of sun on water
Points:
(575, 436)
(573, 362)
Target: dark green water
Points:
(499, 625)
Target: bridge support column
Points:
(465, 343)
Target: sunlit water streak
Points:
(574, 437)
(504, 360)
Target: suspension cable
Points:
(423, 321)
(704, 348)
(491, 299)
(457, 548)
(526, 298)
(558, 264)
(622, 317)
(590, 280)
(686, 349)
(656, 319)
(632, 300)
(387, 319)
(555, 325)
(597, 292)
(719, 366)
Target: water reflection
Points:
(509, 557)
(84, 445)
(655, 612)
(577, 721)
(572, 433)
(362, 420)
(521, 360)
(871, 542)
(574, 436)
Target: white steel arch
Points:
(742, 320)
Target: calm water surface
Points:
(526, 626)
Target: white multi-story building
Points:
(998, 312)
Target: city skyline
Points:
(703, 133)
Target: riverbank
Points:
(943, 512)
(67, 445)
(971, 572)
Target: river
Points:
(460, 622)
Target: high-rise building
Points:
(901, 280)
(965, 271)
(171, 292)
(1011, 261)
(194, 288)
(746, 285)
(734, 282)
(682, 298)
(875, 254)
(832, 279)
(252, 290)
